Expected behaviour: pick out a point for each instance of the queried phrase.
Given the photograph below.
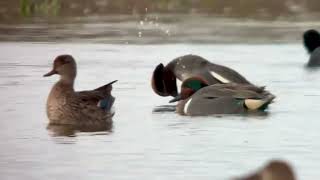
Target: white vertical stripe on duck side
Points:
(186, 106)
(219, 77)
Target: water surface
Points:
(155, 145)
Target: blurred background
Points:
(126, 21)
(242, 8)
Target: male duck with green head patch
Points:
(198, 98)
(164, 77)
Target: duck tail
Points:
(107, 87)
(259, 104)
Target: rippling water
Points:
(146, 144)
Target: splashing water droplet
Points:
(168, 32)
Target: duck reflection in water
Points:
(72, 130)
(164, 108)
(81, 110)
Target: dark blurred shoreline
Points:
(158, 29)
(19, 10)
(158, 22)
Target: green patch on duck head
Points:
(194, 84)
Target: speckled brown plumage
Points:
(65, 106)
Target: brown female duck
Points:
(65, 106)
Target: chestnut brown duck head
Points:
(80, 108)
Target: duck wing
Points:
(226, 99)
(190, 65)
(100, 97)
(237, 91)
(106, 88)
(90, 96)
(237, 87)
(225, 74)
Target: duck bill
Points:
(52, 72)
(175, 99)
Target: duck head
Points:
(189, 87)
(274, 170)
(65, 66)
(164, 81)
(278, 170)
(311, 40)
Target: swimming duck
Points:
(274, 170)
(198, 98)
(65, 106)
(311, 40)
(184, 67)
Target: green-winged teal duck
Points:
(184, 67)
(311, 40)
(65, 106)
(198, 98)
(274, 170)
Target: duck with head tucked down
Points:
(311, 41)
(198, 98)
(164, 77)
(65, 106)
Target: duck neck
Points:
(67, 82)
